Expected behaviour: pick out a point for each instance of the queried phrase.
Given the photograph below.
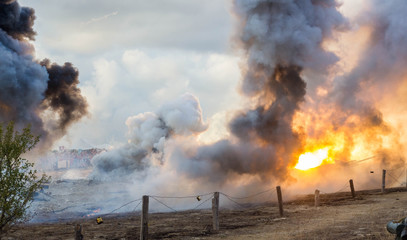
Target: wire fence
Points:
(163, 204)
(356, 162)
(343, 188)
(241, 201)
(203, 202)
(181, 197)
(394, 177)
(250, 196)
(236, 200)
(199, 197)
(233, 201)
(122, 206)
(394, 174)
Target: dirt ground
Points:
(339, 217)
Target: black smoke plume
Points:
(16, 21)
(273, 123)
(63, 95)
(280, 39)
(42, 94)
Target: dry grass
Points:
(338, 217)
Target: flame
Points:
(92, 213)
(314, 159)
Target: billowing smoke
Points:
(17, 21)
(147, 134)
(42, 94)
(381, 63)
(63, 95)
(301, 99)
(358, 95)
(280, 39)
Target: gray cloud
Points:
(175, 24)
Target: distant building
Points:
(68, 158)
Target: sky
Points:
(135, 55)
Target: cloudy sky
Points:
(134, 55)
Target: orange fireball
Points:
(314, 159)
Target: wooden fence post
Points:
(144, 219)
(384, 180)
(78, 232)
(352, 188)
(215, 211)
(317, 198)
(280, 201)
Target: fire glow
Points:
(314, 159)
(92, 213)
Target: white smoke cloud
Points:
(183, 116)
(148, 133)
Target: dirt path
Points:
(339, 217)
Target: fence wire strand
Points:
(209, 198)
(240, 205)
(125, 205)
(395, 179)
(163, 204)
(343, 188)
(395, 169)
(250, 196)
(352, 162)
(340, 190)
(138, 204)
(179, 197)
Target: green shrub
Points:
(18, 179)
